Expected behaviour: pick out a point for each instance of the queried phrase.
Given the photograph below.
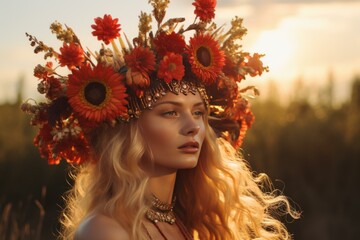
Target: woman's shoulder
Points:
(100, 227)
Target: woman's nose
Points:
(191, 126)
(193, 130)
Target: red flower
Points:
(244, 118)
(56, 89)
(205, 57)
(141, 60)
(40, 115)
(44, 141)
(97, 94)
(52, 87)
(106, 29)
(85, 124)
(171, 67)
(241, 111)
(249, 118)
(43, 72)
(137, 79)
(205, 9)
(238, 111)
(74, 149)
(71, 55)
(231, 70)
(245, 123)
(255, 64)
(243, 129)
(227, 88)
(172, 42)
(66, 142)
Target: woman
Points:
(154, 127)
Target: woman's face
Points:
(174, 130)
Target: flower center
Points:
(172, 66)
(203, 55)
(95, 93)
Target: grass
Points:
(22, 219)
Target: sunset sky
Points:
(301, 38)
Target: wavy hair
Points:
(219, 199)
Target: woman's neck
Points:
(163, 187)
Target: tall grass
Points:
(22, 219)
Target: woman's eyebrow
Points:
(177, 103)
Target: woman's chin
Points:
(189, 163)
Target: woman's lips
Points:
(189, 147)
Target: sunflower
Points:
(71, 55)
(97, 94)
(171, 67)
(205, 57)
(205, 9)
(106, 29)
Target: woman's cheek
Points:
(162, 132)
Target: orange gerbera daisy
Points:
(97, 94)
(106, 29)
(205, 57)
(205, 9)
(171, 67)
(141, 60)
(71, 55)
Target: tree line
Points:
(310, 150)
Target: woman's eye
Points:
(170, 113)
(199, 113)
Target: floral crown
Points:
(117, 83)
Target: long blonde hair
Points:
(218, 199)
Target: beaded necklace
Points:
(161, 211)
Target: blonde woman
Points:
(153, 129)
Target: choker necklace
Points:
(160, 211)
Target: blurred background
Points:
(306, 135)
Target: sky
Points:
(302, 39)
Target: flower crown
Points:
(117, 83)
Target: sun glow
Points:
(279, 49)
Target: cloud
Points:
(261, 15)
(226, 3)
(258, 15)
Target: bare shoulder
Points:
(100, 227)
